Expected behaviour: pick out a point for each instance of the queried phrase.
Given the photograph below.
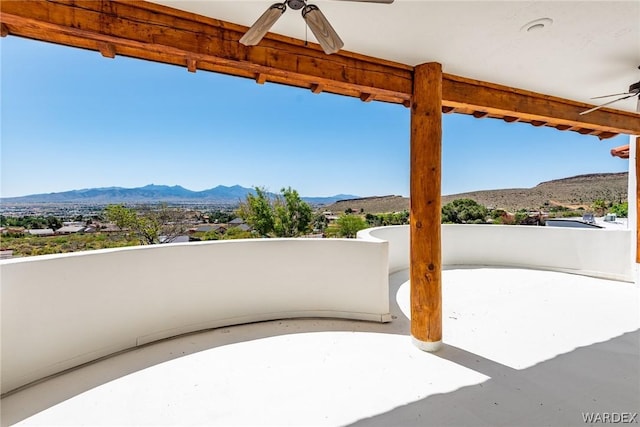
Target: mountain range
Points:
(152, 193)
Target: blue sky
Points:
(72, 119)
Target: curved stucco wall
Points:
(64, 310)
(398, 238)
(598, 253)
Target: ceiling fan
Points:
(315, 19)
(634, 90)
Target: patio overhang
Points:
(154, 32)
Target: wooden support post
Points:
(4, 30)
(426, 174)
(316, 88)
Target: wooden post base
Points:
(430, 347)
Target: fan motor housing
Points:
(634, 88)
(296, 4)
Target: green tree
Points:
(286, 215)
(464, 211)
(152, 225)
(349, 225)
(220, 216)
(257, 211)
(292, 214)
(53, 222)
(320, 222)
(236, 233)
(121, 216)
(211, 235)
(599, 207)
(620, 209)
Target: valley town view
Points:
(107, 218)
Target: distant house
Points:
(71, 229)
(74, 223)
(243, 227)
(110, 228)
(177, 239)
(236, 222)
(210, 227)
(40, 232)
(12, 230)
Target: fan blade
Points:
(322, 29)
(262, 26)
(605, 104)
(373, 1)
(615, 94)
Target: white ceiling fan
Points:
(315, 19)
(634, 90)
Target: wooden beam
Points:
(261, 78)
(480, 114)
(504, 101)
(4, 30)
(158, 33)
(154, 32)
(426, 175)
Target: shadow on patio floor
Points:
(602, 377)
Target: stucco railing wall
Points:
(597, 253)
(59, 311)
(398, 238)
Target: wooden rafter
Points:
(158, 33)
(108, 50)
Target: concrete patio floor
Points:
(522, 347)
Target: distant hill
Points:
(375, 204)
(571, 192)
(152, 193)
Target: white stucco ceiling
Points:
(591, 48)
